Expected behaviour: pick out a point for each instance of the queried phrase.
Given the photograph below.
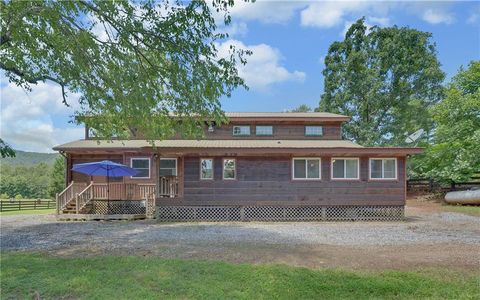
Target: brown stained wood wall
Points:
(267, 181)
(281, 131)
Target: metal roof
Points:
(137, 144)
(283, 115)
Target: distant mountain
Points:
(23, 158)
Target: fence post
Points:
(453, 185)
(430, 185)
(19, 205)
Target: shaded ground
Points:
(429, 238)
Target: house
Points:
(259, 166)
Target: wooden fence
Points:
(8, 205)
(430, 185)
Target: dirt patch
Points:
(429, 238)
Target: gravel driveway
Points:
(426, 239)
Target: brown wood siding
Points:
(267, 181)
(281, 131)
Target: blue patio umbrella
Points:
(104, 168)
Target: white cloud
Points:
(27, 118)
(329, 14)
(435, 16)
(263, 67)
(235, 29)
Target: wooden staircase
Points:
(66, 201)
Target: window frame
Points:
(213, 168)
(249, 130)
(345, 168)
(305, 130)
(383, 159)
(234, 171)
(306, 168)
(149, 167)
(265, 125)
(168, 158)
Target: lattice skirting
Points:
(117, 207)
(279, 213)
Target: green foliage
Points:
(133, 62)
(302, 108)
(4, 196)
(18, 196)
(455, 152)
(6, 150)
(386, 79)
(128, 277)
(57, 177)
(26, 182)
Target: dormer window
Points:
(241, 130)
(313, 130)
(264, 130)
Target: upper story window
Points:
(383, 168)
(241, 130)
(264, 130)
(345, 168)
(306, 168)
(206, 168)
(313, 130)
(229, 168)
(168, 167)
(142, 166)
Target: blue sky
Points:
(289, 40)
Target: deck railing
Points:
(122, 191)
(84, 197)
(168, 186)
(68, 194)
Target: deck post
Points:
(76, 203)
(58, 205)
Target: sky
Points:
(289, 40)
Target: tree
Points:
(134, 63)
(386, 79)
(57, 177)
(455, 152)
(302, 108)
(6, 150)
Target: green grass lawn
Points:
(112, 277)
(465, 209)
(28, 212)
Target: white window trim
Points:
(168, 158)
(213, 168)
(149, 167)
(256, 131)
(345, 168)
(306, 168)
(223, 169)
(249, 130)
(321, 126)
(383, 166)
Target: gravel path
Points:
(245, 242)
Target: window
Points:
(168, 167)
(229, 170)
(241, 130)
(264, 130)
(345, 168)
(306, 168)
(206, 168)
(383, 168)
(142, 166)
(313, 130)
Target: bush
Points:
(18, 196)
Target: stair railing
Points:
(68, 194)
(83, 197)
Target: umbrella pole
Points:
(108, 192)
